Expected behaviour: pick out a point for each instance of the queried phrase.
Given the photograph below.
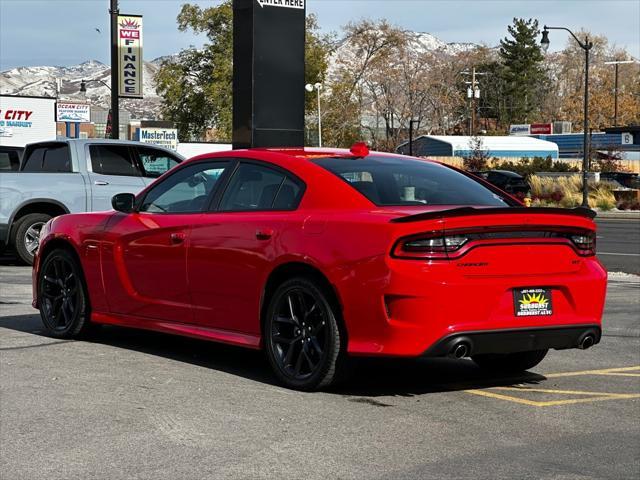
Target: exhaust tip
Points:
(460, 350)
(587, 342)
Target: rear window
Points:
(52, 159)
(9, 160)
(391, 181)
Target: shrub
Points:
(567, 192)
(602, 202)
(629, 205)
(529, 166)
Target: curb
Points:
(635, 215)
(622, 277)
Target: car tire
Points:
(26, 236)
(62, 296)
(510, 362)
(302, 337)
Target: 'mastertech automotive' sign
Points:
(165, 137)
(130, 55)
(282, 3)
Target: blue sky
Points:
(62, 32)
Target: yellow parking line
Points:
(595, 396)
(586, 400)
(605, 371)
(559, 392)
(484, 393)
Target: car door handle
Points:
(264, 234)
(177, 238)
(100, 182)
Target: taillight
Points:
(585, 243)
(428, 245)
(440, 245)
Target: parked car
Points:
(317, 255)
(10, 158)
(71, 176)
(510, 182)
(625, 179)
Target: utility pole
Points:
(115, 87)
(586, 148)
(473, 93)
(615, 88)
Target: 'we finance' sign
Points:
(282, 3)
(130, 55)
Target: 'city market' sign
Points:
(130, 56)
(282, 3)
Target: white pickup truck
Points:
(70, 176)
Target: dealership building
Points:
(460, 146)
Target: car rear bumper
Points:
(517, 340)
(418, 307)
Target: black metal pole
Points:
(585, 158)
(411, 138)
(615, 100)
(115, 87)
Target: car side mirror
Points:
(123, 202)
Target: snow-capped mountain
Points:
(428, 43)
(65, 83)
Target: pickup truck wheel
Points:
(26, 236)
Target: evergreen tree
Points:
(522, 74)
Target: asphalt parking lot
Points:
(131, 404)
(618, 244)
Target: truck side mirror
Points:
(123, 202)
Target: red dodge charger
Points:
(318, 255)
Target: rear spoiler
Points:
(471, 211)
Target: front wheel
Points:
(62, 296)
(301, 335)
(510, 362)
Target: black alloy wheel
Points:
(302, 335)
(62, 295)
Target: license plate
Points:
(532, 302)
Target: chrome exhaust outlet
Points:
(459, 350)
(587, 342)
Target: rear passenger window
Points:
(287, 198)
(254, 187)
(33, 163)
(113, 160)
(52, 159)
(57, 159)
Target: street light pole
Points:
(615, 88)
(411, 122)
(115, 109)
(309, 87)
(586, 46)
